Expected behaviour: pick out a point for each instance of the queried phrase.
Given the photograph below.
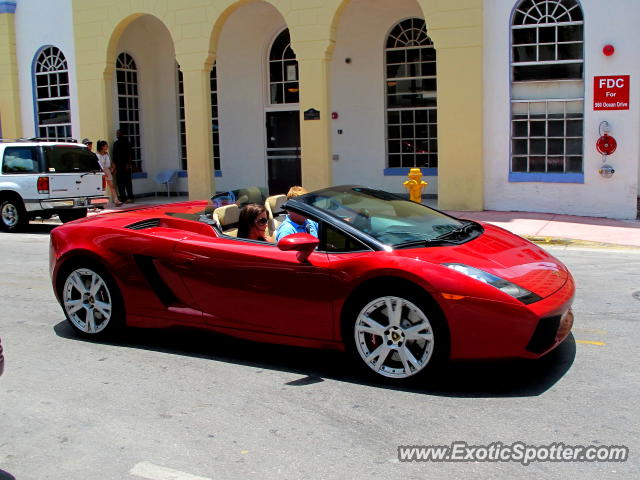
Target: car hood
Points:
(504, 254)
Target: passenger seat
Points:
(276, 215)
(227, 218)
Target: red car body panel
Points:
(258, 292)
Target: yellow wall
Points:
(454, 25)
(456, 30)
(9, 96)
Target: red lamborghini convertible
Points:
(397, 284)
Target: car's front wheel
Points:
(13, 216)
(91, 301)
(397, 335)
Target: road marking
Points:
(591, 342)
(156, 472)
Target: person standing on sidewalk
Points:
(123, 160)
(107, 168)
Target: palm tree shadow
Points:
(486, 378)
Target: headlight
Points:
(522, 294)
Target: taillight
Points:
(104, 182)
(43, 184)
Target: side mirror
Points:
(303, 243)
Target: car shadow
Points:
(468, 379)
(38, 227)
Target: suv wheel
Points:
(13, 216)
(69, 215)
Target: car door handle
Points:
(182, 258)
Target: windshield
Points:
(388, 218)
(240, 197)
(67, 158)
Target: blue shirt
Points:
(289, 227)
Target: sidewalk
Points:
(562, 229)
(542, 228)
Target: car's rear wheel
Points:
(69, 215)
(13, 216)
(397, 335)
(91, 300)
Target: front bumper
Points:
(482, 328)
(550, 332)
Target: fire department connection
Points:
(605, 145)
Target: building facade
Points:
(497, 101)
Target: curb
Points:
(570, 242)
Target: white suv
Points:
(43, 178)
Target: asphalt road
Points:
(185, 405)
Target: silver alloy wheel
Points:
(10, 215)
(87, 300)
(394, 337)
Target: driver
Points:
(294, 222)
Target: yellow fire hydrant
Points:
(415, 185)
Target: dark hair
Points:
(100, 144)
(247, 218)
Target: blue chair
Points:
(166, 177)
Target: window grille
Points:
(181, 120)
(547, 48)
(215, 124)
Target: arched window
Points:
(283, 71)
(182, 127)
(547, 40)
(53, 106)
(547, 45)
(215, 126)
(128, 105)
(411, 96)
(215, 133)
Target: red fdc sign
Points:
(611, 93)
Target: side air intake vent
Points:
(152, 222)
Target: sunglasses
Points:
(262, 221)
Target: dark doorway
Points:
(283, 151)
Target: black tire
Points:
(93, 314)
(419, 343)
(13, 216)
(70, 215)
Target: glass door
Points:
(283, 151)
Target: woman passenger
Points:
(252, 223)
